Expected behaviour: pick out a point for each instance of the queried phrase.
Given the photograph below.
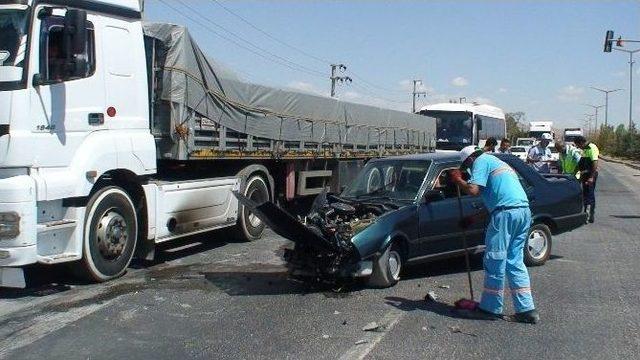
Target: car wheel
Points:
(250, 227)
(110, 235)
(387, 267)
(538, 247)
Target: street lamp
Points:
(596, 114)
(606, 102)
(589, 117)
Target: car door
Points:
(439, 229)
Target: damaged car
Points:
(404, 210)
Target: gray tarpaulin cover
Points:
(203, 94)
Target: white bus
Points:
(460, 125)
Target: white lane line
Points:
(388, 321)
(24, 334)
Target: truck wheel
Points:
(538, 247)
(110, 233)
(249, 227)
(387, 268)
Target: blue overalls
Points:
(506, 234)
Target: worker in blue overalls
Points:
(506, 234)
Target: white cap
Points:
(546, 136)
(467, 151)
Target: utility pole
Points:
(416, 94)
(596, 114)
(338, 79)
(606, 102)
(589, 118)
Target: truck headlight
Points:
(9, 225)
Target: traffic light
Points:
(608, 41)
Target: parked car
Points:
(403, 210)
(520, 151)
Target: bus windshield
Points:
(13, 41)
(453, 127)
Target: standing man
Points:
(490, 145)
(588, 167)
(505, 146)
(568, 159)
(506, 234)
(539, 156)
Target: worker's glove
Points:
(467, 221)
(456, 176)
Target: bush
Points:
(619, 142)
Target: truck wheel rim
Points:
(395, 264)
(537, 244)
(112, 234)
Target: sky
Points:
(538, 57)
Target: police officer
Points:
(568, 158)
(588, 167)
(506, 234)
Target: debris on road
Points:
(444, 286)
(455, 329)
(360, 342)
(372, 326)
(336, 312)
(431, 296)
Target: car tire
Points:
(249, 227)
(387, 267)
(109, 237)
(537, 249)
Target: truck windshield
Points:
(13, 43)
(453, 127)
(391, 179)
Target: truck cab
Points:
(73, 113)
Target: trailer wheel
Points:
(110, 233)
(250, 227)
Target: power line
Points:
(276, 58)
(319, 59)
(309, 55)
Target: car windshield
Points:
(389, 179)
(453, 127)
(517, 149)
(525, 142)
(13, 42)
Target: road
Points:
(207, 298)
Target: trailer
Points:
(117, 135)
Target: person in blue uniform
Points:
(506, 235)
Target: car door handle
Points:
(96, 119)
(477, 205)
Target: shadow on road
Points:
(625, 216)
(442, 267)
(436, 307)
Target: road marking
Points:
(388, 321)
(35, 329)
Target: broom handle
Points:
(464, 243)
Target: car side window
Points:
(52, 56)
(444, 184)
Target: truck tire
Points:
(538, 247)
(387, 268)
(110, 233)
(249, 227)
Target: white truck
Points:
(116, 135)
(537, 128)
(570, 134)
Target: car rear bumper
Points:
(570, 222)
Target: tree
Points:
(516, 127)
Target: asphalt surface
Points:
(207, 298)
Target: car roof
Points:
(438, 156)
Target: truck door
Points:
(65, 105)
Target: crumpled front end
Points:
(323, 250)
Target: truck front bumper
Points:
(18, 246)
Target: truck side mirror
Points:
(4, 55)
(75, 41)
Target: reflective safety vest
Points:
(569, 160)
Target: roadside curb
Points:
(618, 161)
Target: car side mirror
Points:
(4, 55)
(432, 195)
